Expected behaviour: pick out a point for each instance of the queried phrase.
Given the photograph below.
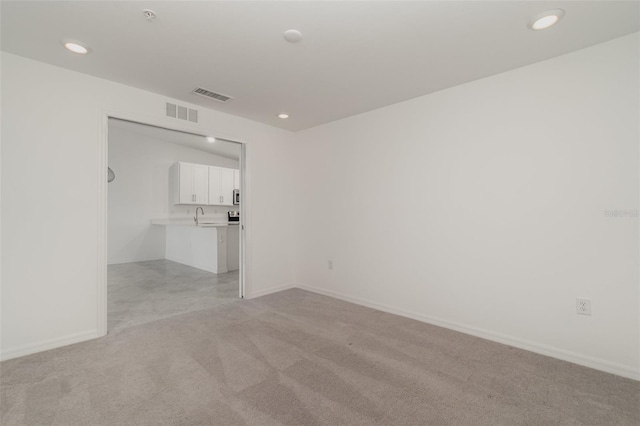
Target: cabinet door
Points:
(236, 179)
(226, 186)
(185, 186)
(215, 197)
(201, 184)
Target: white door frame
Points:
(103, 158)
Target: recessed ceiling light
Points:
(546, 19)
(283, 115)
(76, 47)
(211, 139)
(292, 36)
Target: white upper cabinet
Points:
(183, 175)
(190, 183)
(236, 179)
(226, 186)
(221, 186)
(201, 184)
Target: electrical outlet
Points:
(330, 264)
(583, 306)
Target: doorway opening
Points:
(175, 240)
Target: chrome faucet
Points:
(196, 218)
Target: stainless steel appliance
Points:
(234, 216)
(236, 197)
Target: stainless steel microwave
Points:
(236, 197)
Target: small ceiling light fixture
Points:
(283, 115)
(75, 47)
(292, 36)
(546, 19)
(211, 139)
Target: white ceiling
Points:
(219, 147)
(354, 57)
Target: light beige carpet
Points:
(298, 358)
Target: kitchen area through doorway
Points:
(174, 230)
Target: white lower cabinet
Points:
(202, 248)
(233, 248)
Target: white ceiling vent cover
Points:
(211, 95)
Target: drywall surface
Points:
(53, 126)
(489, 207)
(140, 193)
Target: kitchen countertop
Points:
(191, 222)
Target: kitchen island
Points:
(210, 246)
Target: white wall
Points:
(140, 193)
(52, 125)
(482, 207)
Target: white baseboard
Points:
(141, 259)
(266, 291)
(182, 262)
(576, 358)
(46, 345)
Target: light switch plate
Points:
(583, 306)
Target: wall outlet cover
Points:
(583, 306)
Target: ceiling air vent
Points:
(212, 95)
